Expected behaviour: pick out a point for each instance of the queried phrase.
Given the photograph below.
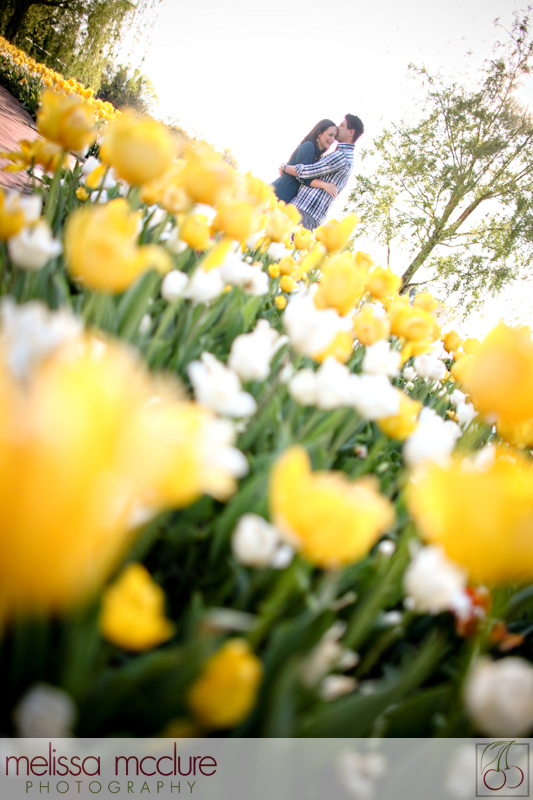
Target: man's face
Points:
(345, 134)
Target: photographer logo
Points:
(502, 769)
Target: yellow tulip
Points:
(286, 265)
(363, 261)
(303, 239)
(313, 259)
(70, 474)
(287, 284)
(471, 346)
(401, 425)
(483, 518)
(195, 230)
(335, 235)
(413, 324)
(138, 148)
(257, 192)
(237, 218)
(38, 152)
(101, 247)
(280, 302)
(217, 255)
(66, 121)
(499, 377)
(451, 341)
(341, 286)
(184, 467)
(281, 221)
(12, 218)
(416, 348)
(426, 301)
(95, 178)
(273, 270)
(167, 190)
(518, 434)
(382, 283)
(206, 177)
(370, 329)
(81, 194)
(340, 348)
(227, 688)
(460, 368)
(132, 615)
(333, 521)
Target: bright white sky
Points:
(255, 77)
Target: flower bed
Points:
(26, 79)
(248, 487)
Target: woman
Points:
(308, 151)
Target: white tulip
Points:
(466, 413)
(334, 686)
(252, 240)
(207, 211)
(379, 359)
(31, 332)
(432, 583)
(457, 397)
(499, 696)
(302, 387)
(145, 324)
(99, 196)
(220, 452)
(252, 280)
(251, 353)
(335, 385)
(33, 247)
(432, 439)
(204, 286)
(175, 244)
(254, 541)
(311, 330)
(277, 250)
(45, 711)
(32, 207)
(174, 285)
(375, 397)
(431, 367)
(219, 388)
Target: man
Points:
(313, 204)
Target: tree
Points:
(19, 10)
(122, 89)
(471, 152)
(76, 37)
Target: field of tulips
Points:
(26, 79)
(248, 489)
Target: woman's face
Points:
(325, 138)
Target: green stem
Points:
(362, 620)
(101, 187)
(52, 195)
(388, 638)
(166, 318)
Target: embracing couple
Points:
(311, 181)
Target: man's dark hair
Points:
(354, 124)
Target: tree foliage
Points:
(453, 192)
(122, 88)
(75, 37)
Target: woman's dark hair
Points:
(319, 128)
